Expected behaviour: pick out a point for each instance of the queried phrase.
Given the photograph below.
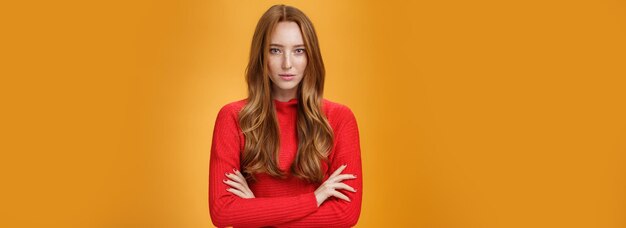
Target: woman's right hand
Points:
(330, 186)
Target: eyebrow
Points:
(280, 45)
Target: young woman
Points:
(285, 156)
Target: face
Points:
(286, 59)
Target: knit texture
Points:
(286, 202)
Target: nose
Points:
(286, 61)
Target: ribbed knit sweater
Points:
(286, 202)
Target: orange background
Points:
(471, 113)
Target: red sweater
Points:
(286, 202)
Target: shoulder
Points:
(231, 109)
(332, 107)
(337, 113)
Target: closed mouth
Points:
(287, 77)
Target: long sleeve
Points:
(335, 212)
(227, 209)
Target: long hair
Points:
(258, 117)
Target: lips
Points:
(287, 77)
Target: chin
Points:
(287, 87)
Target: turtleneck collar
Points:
(286, 104)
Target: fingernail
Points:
(224, 180)
(354, 175)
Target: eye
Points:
(274, 51)
(300, 51)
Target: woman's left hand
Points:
(239, 185)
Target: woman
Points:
(285, 156)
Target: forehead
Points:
(286, 33)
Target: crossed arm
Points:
(231, 202)
(329, 188)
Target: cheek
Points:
(273, 64)
(301, 62)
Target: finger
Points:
(235, 177)
(342, 177)
(243, 188)
(340, 196)
(338, 171)
(343, 186)
(236, 185)
(243, 179)
(237, 192)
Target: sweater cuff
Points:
(311, 201)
